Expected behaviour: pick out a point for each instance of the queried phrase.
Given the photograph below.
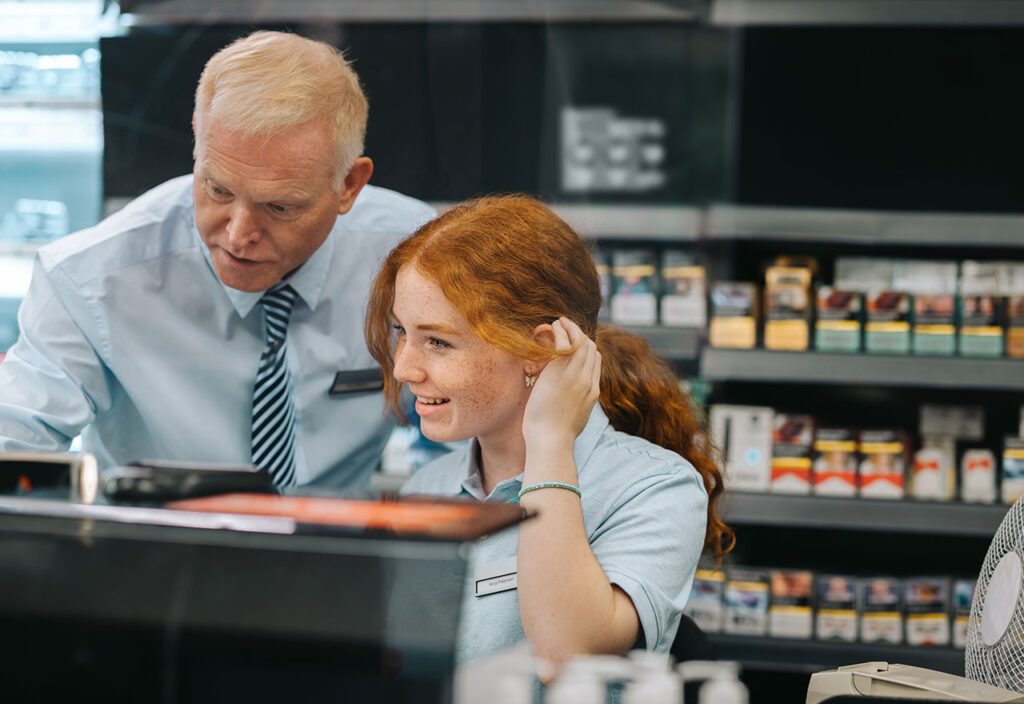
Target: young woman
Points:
(488, 314)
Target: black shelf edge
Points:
(808, 656)
(680, 344)
(863, 227)
(868, 515)
(863, 368)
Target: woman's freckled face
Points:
(464, 386)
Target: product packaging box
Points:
(744, 436)
(683, 292)
(1013, 469)
(604, 276)
(634, 287)
(927, 606)
(963, 594)
(836, 617)
(933, 476)
(840, 317)
(978, 476)
(982, 326)
(787, 315)
(790, 613)
(835, 462)
(934, 324)
(881, 610)
(864, 274)
(705, 605)
(884, 457)
(792, 453)
(746, 602)
(734, 308)
(960, 422)
(1015, 327)
(887, 330)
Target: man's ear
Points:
(358, 176)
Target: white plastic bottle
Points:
(721, 681)
(653, 681)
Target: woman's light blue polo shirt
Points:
(645, 513)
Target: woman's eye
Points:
(436, 344)
(399, 330)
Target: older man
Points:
(219, 317)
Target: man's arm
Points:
(52, 382)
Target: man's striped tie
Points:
(273, 413)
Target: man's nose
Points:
(242, 227)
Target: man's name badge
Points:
(357, 381)
(494, 577)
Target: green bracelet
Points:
(550, 485)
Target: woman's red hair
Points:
(509, 264)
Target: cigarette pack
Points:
(835, 462)
(789, 613)
(927, 605)
(733, 315)
(887, 330)
(836, 617)
(787, 316)
(746, 602)
(1015, 327)
(684, 295)
(934, 473)
(865, 274)
(705, 605)
(792, 450)
(961, 422)
(881, 610)
(982, 326)
(963, 594)
(934, 324)
(840, 314)
(634, 287)
(978, 476)
(744, 436)
(884, 457)
(1013, 469)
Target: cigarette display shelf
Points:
(863, 227)
(807, 656)
(670, 343)
(874, 369)
(869, 515)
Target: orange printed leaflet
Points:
(446, 519)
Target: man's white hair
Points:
(269, 82)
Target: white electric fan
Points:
(995, 630)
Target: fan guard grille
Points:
(1001, 664)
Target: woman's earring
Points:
(530, 379)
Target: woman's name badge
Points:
(494, 577)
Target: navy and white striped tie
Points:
(273, 413)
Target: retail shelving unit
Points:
(870, 515)
(888, 370)
(808, 656)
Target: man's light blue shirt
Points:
(129, 338)
(644, 511)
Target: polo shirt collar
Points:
(308, 281)
(468, 479)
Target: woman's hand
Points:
(566, 390)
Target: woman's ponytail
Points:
(641, 397)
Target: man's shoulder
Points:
(155, 223)
(379, 210)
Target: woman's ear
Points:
(544, 336)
